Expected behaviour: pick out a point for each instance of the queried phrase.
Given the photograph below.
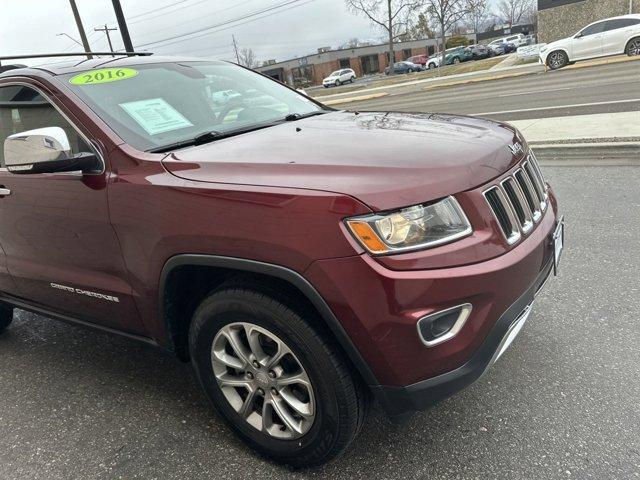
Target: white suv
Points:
(339, 77)
(611, 36)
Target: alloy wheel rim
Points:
(263, 380)
(635, 48)
(556, 60)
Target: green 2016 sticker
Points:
(103, 75)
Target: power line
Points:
(210, 14)
(203, 31)
(140, 20)
(131, 17)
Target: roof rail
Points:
(76, 54)
(6, 68)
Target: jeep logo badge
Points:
(516, 148)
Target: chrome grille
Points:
(519, 200)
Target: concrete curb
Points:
(356, 99)
(605, 153)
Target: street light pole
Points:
(83, 36)
(235, 47)
(69, 37)
(122, 24)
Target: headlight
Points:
(411, 228)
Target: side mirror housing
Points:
(45, 150)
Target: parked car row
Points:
(452, 56)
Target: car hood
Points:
(386, 160)
(558, 43)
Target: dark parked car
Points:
(457, 55)
(404, 67)
(303, 259)
(479, 52)
(509, 47)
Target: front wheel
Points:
(6, 316)
(276, 380)
(456, 60)
(557, 59)
(432, 66)
(633, 47)
(338, 83)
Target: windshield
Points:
(155, 105)
(335, 74)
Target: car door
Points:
(616, 34)
(588, 42)
(61, 249)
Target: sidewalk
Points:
(602, 139)
(597, 128)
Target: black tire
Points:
(557, 59)
(633, 47)
(456, 60)
(353, 79)
(432, 66)
(340, 400)
(338, 83)
(6, 316)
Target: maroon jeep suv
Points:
(305, 260)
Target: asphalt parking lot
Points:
(561, 403)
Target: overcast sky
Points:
(32, 26)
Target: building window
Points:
(344, 63)
(406, 53)
(431, 50)
(370, 64)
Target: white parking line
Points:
(534, 91)
(557, 107)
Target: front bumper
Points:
(398, 401)
(379, 306)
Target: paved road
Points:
(561, 403)
(600, 89)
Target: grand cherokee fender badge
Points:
(516, 148)
(87, 293)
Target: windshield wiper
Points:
(205, 137)
(214, 135)
(292, 117)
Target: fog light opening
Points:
(441, 326)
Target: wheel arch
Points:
(220, 270)
(557, 49)
(636, 36)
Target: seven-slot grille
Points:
(519, 200)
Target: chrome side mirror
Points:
(45, 150)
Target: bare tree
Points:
(478, 14)
(418, 28)
(390, 15)
(446, 14)
(247, 58)
(512, 11)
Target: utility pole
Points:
(83, 36)
(122, 23)
(107, 30)
(235, 47)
